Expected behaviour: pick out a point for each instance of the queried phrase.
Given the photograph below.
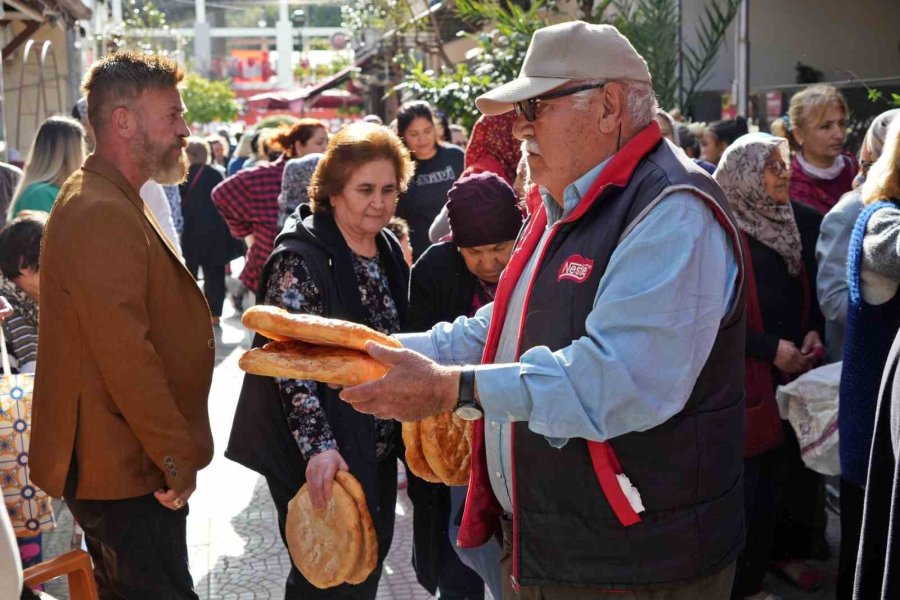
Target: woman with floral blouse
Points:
(335, 259)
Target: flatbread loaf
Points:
(279, 325)
(324, 544)
(297, 360)
(414, 457)
(368, 556)
(446, 440)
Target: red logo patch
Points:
(576, 268)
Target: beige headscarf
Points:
(873, 143)
(740, 174)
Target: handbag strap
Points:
(4, 355)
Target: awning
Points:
(69, 10)
(76, 9)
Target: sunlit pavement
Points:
(235, 550)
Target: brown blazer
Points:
(125, 348)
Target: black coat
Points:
(781, 296)
(878, 564)
(260, 437)
(440, 289)
(205, 238)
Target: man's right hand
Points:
(320, 471)
(790, 360)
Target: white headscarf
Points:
(740, 174)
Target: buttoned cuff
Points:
(501, 394)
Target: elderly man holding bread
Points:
(605, 381)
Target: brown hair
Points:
(197, 150)
(352, 147)
(300, 132)
(120, 78)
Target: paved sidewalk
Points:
(235, 550)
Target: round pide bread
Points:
(325, 544)
(299, 360)
(279, 325)
(446, 441)
(368, 556)
(414, 457)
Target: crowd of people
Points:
(615, 293)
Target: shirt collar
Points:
(572, 195)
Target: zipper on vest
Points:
(514, 578)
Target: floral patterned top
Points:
(292, 288)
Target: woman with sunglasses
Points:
(438, 166)
(784, 327)
(816, 127)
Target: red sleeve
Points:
(231, 197)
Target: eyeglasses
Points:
(529, 107)
(776, 167)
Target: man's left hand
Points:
(413, 389)
(172, 499)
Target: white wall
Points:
(845, 39)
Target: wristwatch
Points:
(467, 407)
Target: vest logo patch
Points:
(576, 268)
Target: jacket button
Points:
(211, 344)
(169, 460)
(173, 472)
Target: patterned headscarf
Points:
(740, 174)
(874, 140)
(493, 148)
(295, 184)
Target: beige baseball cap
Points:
(565, 52)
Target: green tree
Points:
(501, 52)
(139, 17)
(208, 101)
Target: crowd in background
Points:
(823, 272)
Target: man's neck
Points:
(135, 174)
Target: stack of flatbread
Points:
(336, 544)
(438, 448)
(311, 347)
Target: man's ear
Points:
(612, 108)
(123, 122)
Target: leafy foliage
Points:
(208, 101)
(501, 53)
(698, 61)
(138, 18)
(876, 96)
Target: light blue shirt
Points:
(655, 317)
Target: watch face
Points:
(469, 413)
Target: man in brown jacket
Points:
(126, 348)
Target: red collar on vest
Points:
(621, 167)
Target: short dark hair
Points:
(20, 243)
(728, 130)
(349, 149)
(121, 77)
(409, 112)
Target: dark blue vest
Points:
(868, 336)
(688, 470)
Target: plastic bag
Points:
(810, 404)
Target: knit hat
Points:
(483, 209)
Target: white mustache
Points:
(530, 146)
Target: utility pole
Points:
(742, 59)
(202, 40)
(284, 45)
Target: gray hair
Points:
(641, 100)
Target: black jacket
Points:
(440, 287)
(781, 296)
(205, 238)
(260, 437)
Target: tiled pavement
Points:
(235, 550)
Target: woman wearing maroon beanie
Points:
(452, 279)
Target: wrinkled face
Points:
(558, 144)
(822, 141)
(711, 148)
(317, 143)
(162, 135)
(367, 202)
(777, 177)
(487, 262)
(420, 138)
